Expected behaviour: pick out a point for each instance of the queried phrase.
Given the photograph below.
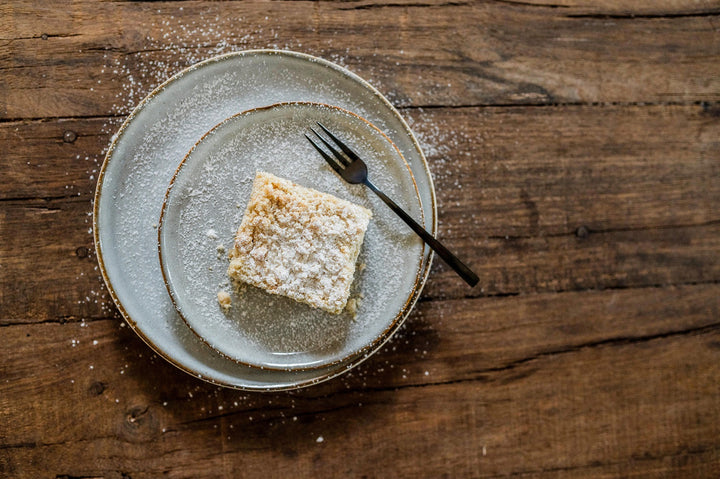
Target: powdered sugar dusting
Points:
(264, 328)
(150, 148)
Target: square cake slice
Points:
(298, 242)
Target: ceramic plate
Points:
(205, 204)
(148, 148)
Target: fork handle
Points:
(452, 260)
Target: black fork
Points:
(353, 169)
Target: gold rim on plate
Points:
(119, 136)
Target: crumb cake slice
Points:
(298, 242)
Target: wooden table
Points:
(576, 156)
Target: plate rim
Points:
(403, 312)
(119, 134)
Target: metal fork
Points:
(352, 169)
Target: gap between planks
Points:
(595, 104)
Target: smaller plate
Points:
(205, 203)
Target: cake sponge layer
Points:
(299, 242)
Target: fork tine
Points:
(338, 156)
(351, 154)
(329, 159)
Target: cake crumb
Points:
(353, 305)
(224, 300)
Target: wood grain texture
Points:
(514, 187)
(474, 53)
(510, 375)
(575, 150)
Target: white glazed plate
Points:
(147, 150)
(205, 204)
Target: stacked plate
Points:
(174, 187)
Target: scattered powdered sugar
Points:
(437, 140)
(147, 156)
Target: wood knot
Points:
(97, 388)
(582, 232)
(139, 424)
(69, 136)
(135, 415)
(82, 252)
(711, 109)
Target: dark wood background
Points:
(576, 153)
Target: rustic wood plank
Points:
(125, 411)
(522, 172)
(614, 259)
(541, 199)
(603, 260)
(418, 54)
(53, 159)
(454, 340)
(58, 235)
(607, 8)
(564, 182)
(471, 339)
(539, 171)
(598, 8)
